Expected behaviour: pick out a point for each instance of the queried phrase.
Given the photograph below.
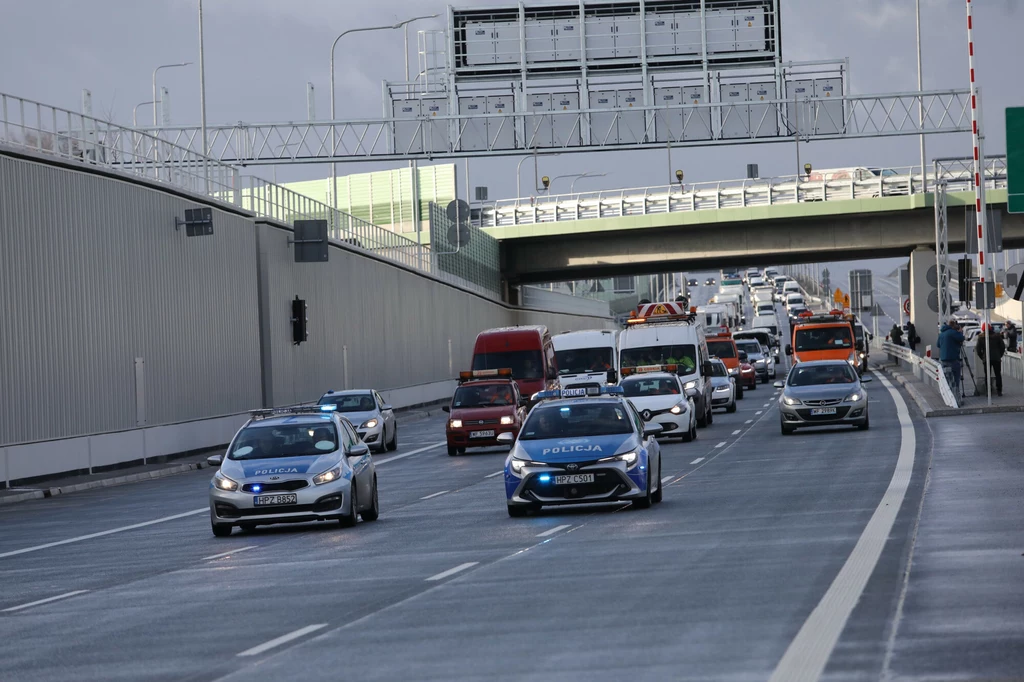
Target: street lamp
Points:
(162, 66)
(807, 170)
(334, 128)
(279, 147)
(679, 179)
(572, 187)
(135, 112)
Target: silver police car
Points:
(373, 418)
(823, 393)
(293, 465)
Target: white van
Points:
(796, 299)
(587, 358)
(769, 322)
(764, 308)
(791, 286)
(736, 303)
(672, 339)
(714, 315)
(760, 294)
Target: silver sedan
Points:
(823, 393)
(373, 418)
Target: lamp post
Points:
(572, 187)
(276, 149)
(162, 66)
(920, 102)
(135, 112)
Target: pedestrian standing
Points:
(951, 343)
(1011, 337)
(994, 367)
(912, 337)
(896, 334)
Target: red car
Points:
(486, 404)
(748, 375)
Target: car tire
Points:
(452, 452)
(788, 430)
(731, 407)
(739, 392)
(645, 501)
(765, 379)
(393, 444)
(517, 512)
(866, 425)
(702, 421)
(350, 520)
(657, 496)
(689, 435)
(753, 386)
(221, 530)
(373, 513)
(711, 416)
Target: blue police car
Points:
(582, 445)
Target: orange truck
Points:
(722, 346)
(826, 336)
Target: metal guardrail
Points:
(790, 189)
(925, 368)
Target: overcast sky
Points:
(260, 53)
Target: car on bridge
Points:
(486, 404)
(710, 281)
(582, 446)
(658, 395)
(374, 419)
(692, 282)
(823, 393)
(293, 465)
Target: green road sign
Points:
(1015, 159)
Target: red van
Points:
(526, 350)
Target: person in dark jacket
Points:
(1011, 337)
(911, 336)
(896, 334)
(997, 349)
(951, 343)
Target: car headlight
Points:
(790, 400)
(690, 385)
(855, 397)
(517, 465)
(369, 423)
(862, 356)
(762, 361)
(721, 389)
(733, 371)
(455, 423)
(631, 458)
(327, 476)
(678, 409)
(852, 359)
(223, 482)
(506, 421)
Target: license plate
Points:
(573, 479)
(821, 411)
(268, 500)
(481, 434)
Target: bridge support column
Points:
(922, 288)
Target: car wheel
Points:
(765, 379)
(702, 421)
(352, 517)
(221, 530)
(373, 512)
(452, 452)
(657, 496)
(516, 511)
(731, 407)
(711, 416)
(247, 527)
(788, 430)
(645, 501)
(865, 425)
(739, 392)
(688, 436)
(393, 445)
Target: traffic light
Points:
(964, 275)
(300, 323)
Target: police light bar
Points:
(296, 409)
(330, 407)
(469, 375)
(582, 392)
(647, 369)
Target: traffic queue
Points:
(580, 415)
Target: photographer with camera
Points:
(951, 343)
(994, 367)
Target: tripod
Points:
(965, 363)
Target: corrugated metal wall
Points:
(92, 276)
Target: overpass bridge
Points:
(783, 220)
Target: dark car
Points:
(710, 281)
(691, 282)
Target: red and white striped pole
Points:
(979, 188)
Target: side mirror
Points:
(506, 438)
(779, 384)
(859, 345)
(708, 369)
(386, 407)
(743, 356)
(866, 380)
(446, 408)
(359, 450)
(871, 337)
(613, 376)
(789, 349)
(524, 401)
(215, 460)
(652, 429)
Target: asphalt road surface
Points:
(771, 556)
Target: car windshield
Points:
(751, 347)
(525, 364)
(761, 337)
(719, 370)
(580, 360)
(356, 402)
(823, 338)
(639, 387)
(722, 349)
(284, 440)
(813, 375)
(493, 395)
(683, 355)
(576, 420)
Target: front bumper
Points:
(460, 438)
(673, 424)
(313, 503)
(721, 399)
(612, 482)
(372, 436)
(846, 413)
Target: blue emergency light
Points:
(331, 407)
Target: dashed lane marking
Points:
(452, 571)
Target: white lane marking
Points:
(40, 602)
(808, 653)
(496, 473)
(552, 531)
(434, 495)
(666, 479)
(452, 571)
(697, 461)
(749, 421)
(90, 536)
(766, 405)
(759, 412)
(224, 554)
(736, 431)
(721, 445)
(283, 639)
(392, 458)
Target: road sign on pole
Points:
(838, 296)
(906, 306)
(1015, 159)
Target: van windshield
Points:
(580, 360)
(823, 338)
(722, 349)
(525, 364)
(683, 355)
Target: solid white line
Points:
(224, 554)
(496, 473)
(44, 601)
(808, 653)
(697, 461)
(552, 531)
(749, 421)
(759, 412)
(720, 445)
(90, 536)
(434, 495)
(736, 431)
(665, 479)
(452, 571)
(385, 460)
(283, 639)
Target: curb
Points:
(922, 402)
(930, 412)
(103, 483)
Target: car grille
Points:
(822, 403)
(326, 504)
(840, 413)
(605, 482)
(479, 422)
(285, 486)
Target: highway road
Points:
(770, 556)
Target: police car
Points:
(658, 394)
(293, 465)
(582, 445)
